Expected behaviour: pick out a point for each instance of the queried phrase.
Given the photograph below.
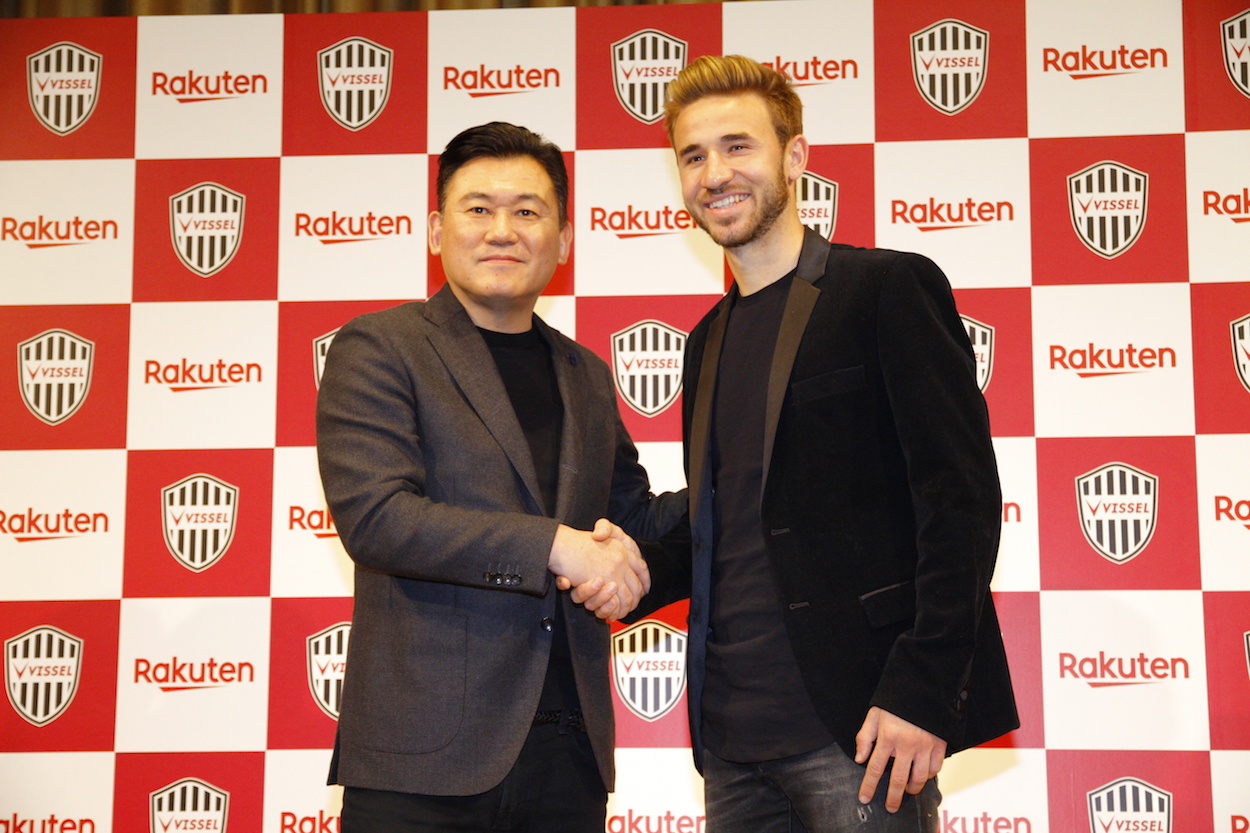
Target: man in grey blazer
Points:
(466, 451)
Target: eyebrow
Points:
(482, 195)
(728, 137)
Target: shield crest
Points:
(642, 66)
(54, 370)
(188, 804)
(1241, 349)
(63, 81)
(949, 61)
(355, 79)
(1107, 202)
(1235, 36)
(646, 363)
(1129, 804)
(818, 203)
(649, 668)
(206, 224)
(198, 515)
(327, 659)
(1117, 507)
(41, 669)
(982, 338)
(321, 346)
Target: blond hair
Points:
(735, 75)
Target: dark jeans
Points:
(816, 792)
(554, 787)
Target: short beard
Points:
(773, 202)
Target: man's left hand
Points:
(917, 755)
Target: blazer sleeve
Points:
(943, 429)
(372, 450)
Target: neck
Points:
(765, 261)
(505, 318)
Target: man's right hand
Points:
(604, 568)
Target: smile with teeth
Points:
(725, 202)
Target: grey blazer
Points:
(432, 487)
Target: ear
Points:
(796, 158)
(435, 232)
(566, 241)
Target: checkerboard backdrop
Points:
(191, 206)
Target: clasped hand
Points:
(603, 568)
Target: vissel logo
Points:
(41, 668)
(649, 667)
(949, 62)
(327, 660)
(206, 224)
(818, 203)
(321, 346)
(1235, 34)
(646, 363)
(1117, 507)
(642, 66)
(355, 79)
(982, 338)
(55, 374)
(198, 516)
(1129, 804)
(1108, 207)
(64, 84)
(1240, 330)
(188, 804)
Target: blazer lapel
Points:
(572, 386)
(701, 416)
(468, 360)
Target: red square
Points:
(304, 328)
(108, 128)
(1169, 560)
(602, 118)
(1019, 617)
(1159, 253)
(1009, 350)
(671, 730)
(212, 563)
(997, 110)
(1221, 357)
(86, 723)
(298, 717)
(561, 282)
(1213, 101)
(599, 320)
(850, 166)
(249, 274)
(99, 419)
(1072, 775)
(309, 126)
(1227, 620)
(240, 775)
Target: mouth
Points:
(726, 201)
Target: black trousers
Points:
(554, 787)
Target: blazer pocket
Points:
(826, 384)
(887, 605)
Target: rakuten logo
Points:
(42, 233)
(985, 823)
(346, 228)
(191, 87)
(30, 525)
(1090, 63)
(185, 375)
(941, 216)
(481, 81)
(51, 824)
(1092, 361)
(316, 521)
(181, 675)
(1235, 207)
(804, 72)
(1103, 671)
(669, 822)
(1228, 509)
(320, 823)
(640, 222)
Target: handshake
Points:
(603, 568)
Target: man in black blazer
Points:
(466, 451)
(844, 499)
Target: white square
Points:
(1018, 565)
(511, 65)
(1224, 510)
(1230, 801)
(60, 241)
(634, 235)
(656, 789)
(308, 559)
(1124, 669)
(826, 51)
(1000, 790)
(203, 374)
(63, 524)
(76, 787)
(1113, 360)
(209, 86)
(296, 795)
(664, 464)
(1217, 173)
(193, 675)
(1112, 68)
(962, 203)
(353, 227)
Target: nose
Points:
(716, 173)
(501, 230)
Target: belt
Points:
(564, 717)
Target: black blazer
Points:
(881, 505)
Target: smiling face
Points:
(500, 239)
(735, 175)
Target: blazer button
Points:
(547, 624)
